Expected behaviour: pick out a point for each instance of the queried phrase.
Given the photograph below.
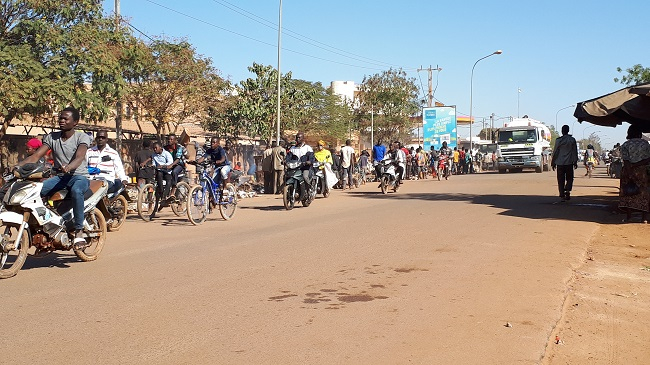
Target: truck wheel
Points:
(538, 169)
(502, 171)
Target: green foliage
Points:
(636, 74)
(169, 83)
(393, 99)
(593, 140)
(55, 54)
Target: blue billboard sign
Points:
(440, 125)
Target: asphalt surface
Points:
(473, 270)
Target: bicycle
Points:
(208, 195)
(148, 201)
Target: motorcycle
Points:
(443, 167)
(321, 181)
(388, 177)
(294, 187)
(27, 221)
(614, 168)
(115, 204)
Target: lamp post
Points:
(566, 107)
(277, 133)
(471, 92)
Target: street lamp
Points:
(471, 92)
(566, 107)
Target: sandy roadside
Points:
(606, 317)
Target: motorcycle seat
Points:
(95, 185)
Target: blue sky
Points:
(556, 52)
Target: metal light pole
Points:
(566, 107)
(277, 134)
(471, 92)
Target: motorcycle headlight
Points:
(17, 197)
(293, 165)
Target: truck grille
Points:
(525, 151)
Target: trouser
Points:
(114, 186)
(278, 181)
(346, 173)
(268, 182)
(564, 178)
(77, 187)
(177, 170)
(162, 191)
(400, 171)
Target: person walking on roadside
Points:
(348, 160)
(267, 167)
(565, 159)
(278, 154)
(363, 166)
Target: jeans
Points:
(177, 170)
(114, 186)
(162, 191)
(346, 172)
(77, 186)
(564, 179)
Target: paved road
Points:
(429, 275)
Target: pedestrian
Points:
(336, 163)
(278, 154)
(378, 152)
(454, 167)
(144, 171)
(363, 166)
(267, 167)
(348, 160)
(565, 159)
(634, 195)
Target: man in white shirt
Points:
(304, 153)
(108, 161)
(348, 160)
(401, 162)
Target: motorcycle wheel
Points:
(12, 261)
(228, 203)
(120, 206)
(197, 205)
(384, 184)
(146, 201)
(179, 206)
(288, 197)
(97, 223)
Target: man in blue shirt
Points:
(219, 159)
(378, 152)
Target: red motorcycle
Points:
(443, 167)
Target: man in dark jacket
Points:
(565, 159)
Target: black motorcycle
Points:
(294, 184)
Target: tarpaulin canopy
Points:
(631, 104)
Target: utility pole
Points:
(430, 94)
(492, 127)
(118, 106)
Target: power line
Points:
(298, 36)
(263, 42)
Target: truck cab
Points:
(523, 143)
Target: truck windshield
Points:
(518, 136)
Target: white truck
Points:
(524, 143)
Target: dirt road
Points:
(429, 275)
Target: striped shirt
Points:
(111, 167)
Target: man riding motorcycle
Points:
(108, 161)
(305, 154)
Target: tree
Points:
(171, 83)
(636, 74)
(55, 54)
(593, 140)
(392, 97)
(252, 108)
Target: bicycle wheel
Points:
(197, 205)
(146, 201)
(228, 203)
(179, 206)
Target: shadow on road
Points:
(54, 259)
(585, 208)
